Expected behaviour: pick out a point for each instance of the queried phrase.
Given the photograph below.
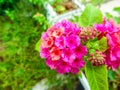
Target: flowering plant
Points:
(94, 45)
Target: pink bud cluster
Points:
(97, 58)
(62, 48)
(88, 33)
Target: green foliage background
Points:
(20, 65)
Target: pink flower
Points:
(58, 32)
(74, 70)
(106, 26)
(44, 35)
(44, 52)
(111, 31)
(113, 58)
(113, 53)
(68, 55)
(47, 42)
(70, 28)
(50, 30)
(100, 27)
(55, 31)
(60, 42)
(63, 67)
(112, 64)
(76, 30)
(55, 53)
(52, 64)
(72, 41)
(111, 40)
(78, 63)
(80, 51)
(117, 36)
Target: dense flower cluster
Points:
(112, 32)
(62, 48)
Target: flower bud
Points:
(88, 33)
(97, 59)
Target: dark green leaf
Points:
(19, 72)
(111, 75)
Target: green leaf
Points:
(96, 2)
(95, 45)
(111, 75)
(90, 16)
(117, 19)
(3, 68)
(89, 44)
(19, 72)
(37, 46)
(117, 9)
(108, 15)
(91, 51)
(103, 44)
(97, 76)
(80, 74)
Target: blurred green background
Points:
(21, 25)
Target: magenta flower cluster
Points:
(112, 32)
(62, 48)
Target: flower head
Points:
(62, 48)
(113, 53)
(113, 58)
